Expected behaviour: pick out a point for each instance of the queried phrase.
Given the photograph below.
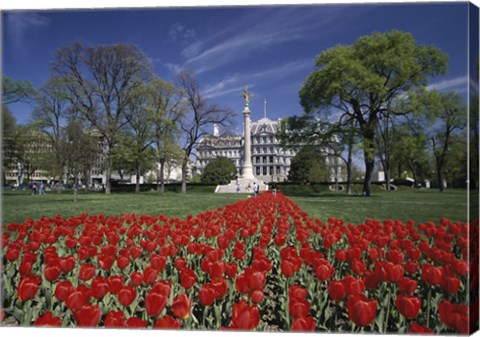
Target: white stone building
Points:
(270, 161)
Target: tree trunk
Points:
(440, 179)
(162, 176)
(108, 175)
(137, 179)
(75, 189)
(349, 170)
(387, 177)
(369, 155)
(184, 176)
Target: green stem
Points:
(428, 305)
(387, 314)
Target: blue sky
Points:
(269, 48)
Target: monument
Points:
(247, 178)
(247, 171)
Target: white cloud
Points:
(20, 23)
(458, 83)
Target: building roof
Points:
(264, 125)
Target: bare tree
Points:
(201, 115)
(100, 82)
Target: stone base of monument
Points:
(244, 183)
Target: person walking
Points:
(42, 189)
(255, 189)
(238, 187)
(34, 188)
(274, 189)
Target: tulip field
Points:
(256, 264)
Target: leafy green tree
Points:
(100, 83)
(410, 152)
(308, 165)
(339, 140)
(220, 171)
(81, 150)
(16, 91)
(168, 106)
(9, 128)
(356, 84)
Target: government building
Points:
(270, 161)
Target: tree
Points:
(50, 114)
(16, 91)
(168, 106)
(449, 116)
(140, 137)
(338, 140)
(308, 165)
(195, 124)
(410, 151)
(367, 79)
(81, 148)
(9, 142)
(100, 83)
(219, 171)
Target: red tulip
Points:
(241, 284)
(167, 322)
(353, 286)
(47, 319)
(245, 317)
(395, 256)
(187, 278)
(297, 293)
(88, 315)
(181, 306)
(63, 290)
(67, 264)
(12, 254)
(116, 284)
(324, 271)
(299, 309)
(150, 274)
(127, 295)
(86, 272)
(336, 291)
(155, 303)
(231, 269)
(158, 262)
(207, 295)
(99, 287)
(432, 275)
(27, 289)
(358, 266)
(135, 252)
(51, 273)
(408, 306)
(257, 296)
(122, 261)
(451, 285)
(135, 322)
(180, 263)
(417, 328)
(411, 267)
(115, 319)
(76, 300)
(287, 268)
(407, 286)
(136, 279)
(454, 316)
(162, 287)
(303, 324)
(255, 279)
(361, 310)
(394, 273)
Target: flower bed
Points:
(258, 264)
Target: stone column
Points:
(247, 172)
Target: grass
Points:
(404, 204)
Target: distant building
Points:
(271, 162)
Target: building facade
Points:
(270, 161)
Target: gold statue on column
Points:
(246, 95)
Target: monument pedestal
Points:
(244, 183)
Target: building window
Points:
(264, 170)
(258, 171)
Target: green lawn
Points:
(405, 204)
